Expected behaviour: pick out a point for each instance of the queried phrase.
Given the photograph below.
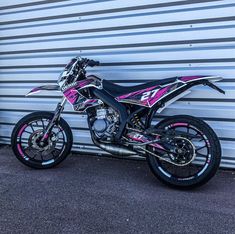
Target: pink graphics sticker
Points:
(71, 91)
(78, 101)
(141, 138)
(190, 78)
(20, 150)
(84, 104)
(145, 97)
(71, 95)
(22, 129)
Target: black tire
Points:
(156, 165)
(22, 156)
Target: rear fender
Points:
(176, 94)
(44, 88)
(205, 80)
(189, 79)
(189, 83)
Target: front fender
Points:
(44, 88)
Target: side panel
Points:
(76, 99)
(150, 96)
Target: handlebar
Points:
(84, 62)
(93, 63)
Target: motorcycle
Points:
(182, 151)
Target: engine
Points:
(105, 123)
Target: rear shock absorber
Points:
(137, 122)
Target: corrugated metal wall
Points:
(137, 40)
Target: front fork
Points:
(56, 117)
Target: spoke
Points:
(197, 136)
(60, 141)
(57, 135)
(183, 147)
(202, 155)
(200, 148)
(61, 130)
(32, 127)
(43, 126)
(28, 132)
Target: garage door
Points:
(138, 41)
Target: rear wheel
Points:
(27, 143)
(197, 157)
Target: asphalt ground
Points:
(89, 194)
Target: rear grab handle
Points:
(213, 86)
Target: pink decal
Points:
(71, 95)
(125, 96)
(45, 137)
(145, 97)
(143, 139)
(77, 85)
(179, 124)
(35, 89)
(22, 129)
(157, 146)
(138, 137)
(84, 82)
(90, 101)
(190, 78)
(20, 150)
(128, 95)
(158, 96)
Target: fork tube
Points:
(57, 113)
(63, 101)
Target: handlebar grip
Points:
(93, 63)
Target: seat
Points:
(118, 90)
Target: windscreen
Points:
(64, 75)
(70, 64)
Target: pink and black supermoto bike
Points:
(181, 150)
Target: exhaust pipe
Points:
(116, 149)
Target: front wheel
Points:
(199, 157)
(26, 141)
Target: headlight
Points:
(62, 78)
